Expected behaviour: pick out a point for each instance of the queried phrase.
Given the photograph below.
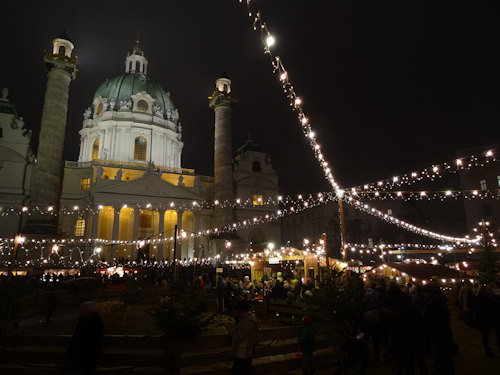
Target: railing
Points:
(119, 164)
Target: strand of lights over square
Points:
(296, 104)
(432, 173)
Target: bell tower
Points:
(47, 174)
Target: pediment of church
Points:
(147, 186)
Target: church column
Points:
(161, 237)
(95, 226)
(116, 226)
(179, 254)
(135, 235)
(95, 223)
(196, 246)
(47, 172)
(222, 102)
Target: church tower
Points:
(47, 174)
(222, 101)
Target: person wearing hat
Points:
(243, 338)
(305, 350)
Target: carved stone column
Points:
(46, 180)
(135, 235)
(116, 226)
(161, 230)
(180, 250)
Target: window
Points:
(389, 212)
(99, 109)
(140, 148)
(142, 105)
(62, 51)
(85, 184)
(482, 185)
(498, 180)
(95, 149)
(80, 226)
(257, 200)
(256, 166)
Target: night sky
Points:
(389, 86)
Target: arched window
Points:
(61, 51)
(95, 149)
(130, 66)
(256, 166)
(140, 148)
(224, 87)
(137, 66)
(99, 109)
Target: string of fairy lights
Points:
(434, 172)
(268, 203)
(296, 104)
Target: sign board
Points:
(219, 270)
(274, 260)
(267, 270)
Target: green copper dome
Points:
(124, 86)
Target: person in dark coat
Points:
(85, 347)
(436, 319)
(486, 314)
(307, 341)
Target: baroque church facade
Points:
(128, 186)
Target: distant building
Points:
(16, 164)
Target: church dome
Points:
(121, 88)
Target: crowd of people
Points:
(480, 308)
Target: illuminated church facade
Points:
(129, 185)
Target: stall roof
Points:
(426, 270)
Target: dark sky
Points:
(389, 86)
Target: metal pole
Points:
(342, 225)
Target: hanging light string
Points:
(426, 195)
(288, 209)
(434, 172)
(296, 104)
